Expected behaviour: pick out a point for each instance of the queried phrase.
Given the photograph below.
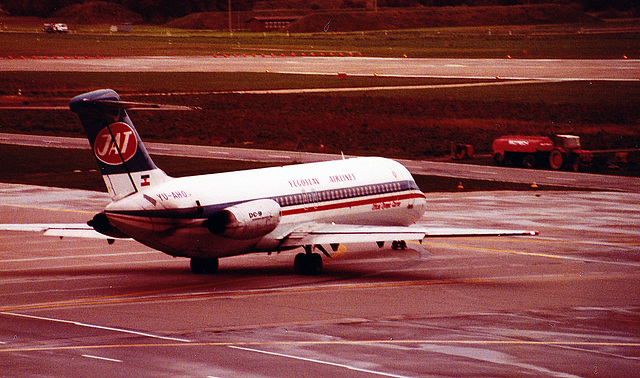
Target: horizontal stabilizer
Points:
(72, 230)
(120, 104)
(115, 104)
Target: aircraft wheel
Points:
(204, 266)
(315, 266)
(299, 262)
(308, 264)
(399, 244)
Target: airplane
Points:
(208, 217)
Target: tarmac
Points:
(565, 303)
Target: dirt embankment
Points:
(397, 18)
(95, 13)
(339, 20)
(441, 17)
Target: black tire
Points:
(399, 245)
(498, 159)
(299, 263)
(307, 264)
(556, 160)
(315, 264)
(204, 266)
(529, 161)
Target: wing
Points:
(467, 232)
(317, 234)
(75, 230)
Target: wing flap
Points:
(330, 234)
(471, 232)
(339, 233)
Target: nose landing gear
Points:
(399, 244)
(204, 266)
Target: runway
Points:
(510, 69)
(565, 303)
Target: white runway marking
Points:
(101, 358)
(94, 265)
(319, 362)
(78, 256)
(96, 327)
(389, 88)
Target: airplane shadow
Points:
(375, 266)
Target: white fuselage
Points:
(362, 191)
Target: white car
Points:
(56, 28)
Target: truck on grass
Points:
(557, 152)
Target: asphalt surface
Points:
(417, 167)
(563, 304)
(541, 69)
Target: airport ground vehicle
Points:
(557, 152)
(461, 151)
(561, 151)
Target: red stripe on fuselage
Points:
(168, 215)
(315, 207)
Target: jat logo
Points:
(117, 149)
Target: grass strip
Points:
(557, 42)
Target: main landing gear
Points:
(309, 263)
(204, 266)
(306, 264)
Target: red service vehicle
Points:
(563, 151)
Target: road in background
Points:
(540, 69)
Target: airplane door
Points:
(314, 198)
(310, 199)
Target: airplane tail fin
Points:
(124, 161)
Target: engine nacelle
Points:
(246, 220)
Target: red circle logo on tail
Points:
(117, 146)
